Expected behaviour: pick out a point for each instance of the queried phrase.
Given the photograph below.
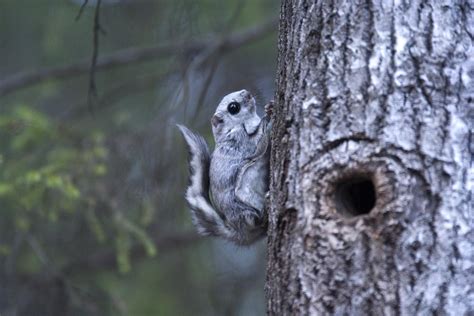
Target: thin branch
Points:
(133, 55)
(81, 10)
(214, 55)
(234, 16)
(134, 86)
(92, 93)
(195, 64)
(107, 259)
(11, 261)
(38, 250)
(207, 83)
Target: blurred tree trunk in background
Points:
(372, 177)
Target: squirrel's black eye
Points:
(233, 107)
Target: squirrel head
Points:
(235, 112)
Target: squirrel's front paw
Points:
(269, 108)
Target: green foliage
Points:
(51, 172)
(42, 168)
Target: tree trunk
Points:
(371, 209)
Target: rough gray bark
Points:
(371, 209)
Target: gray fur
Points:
(237, 173)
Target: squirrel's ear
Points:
(251, 125)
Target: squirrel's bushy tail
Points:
(206, 219)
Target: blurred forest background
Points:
(93, 170)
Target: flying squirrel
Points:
(227, 188)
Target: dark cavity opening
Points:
(355, 196)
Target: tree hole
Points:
(355, 195)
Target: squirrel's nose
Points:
(246, 95)
(216, 120)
